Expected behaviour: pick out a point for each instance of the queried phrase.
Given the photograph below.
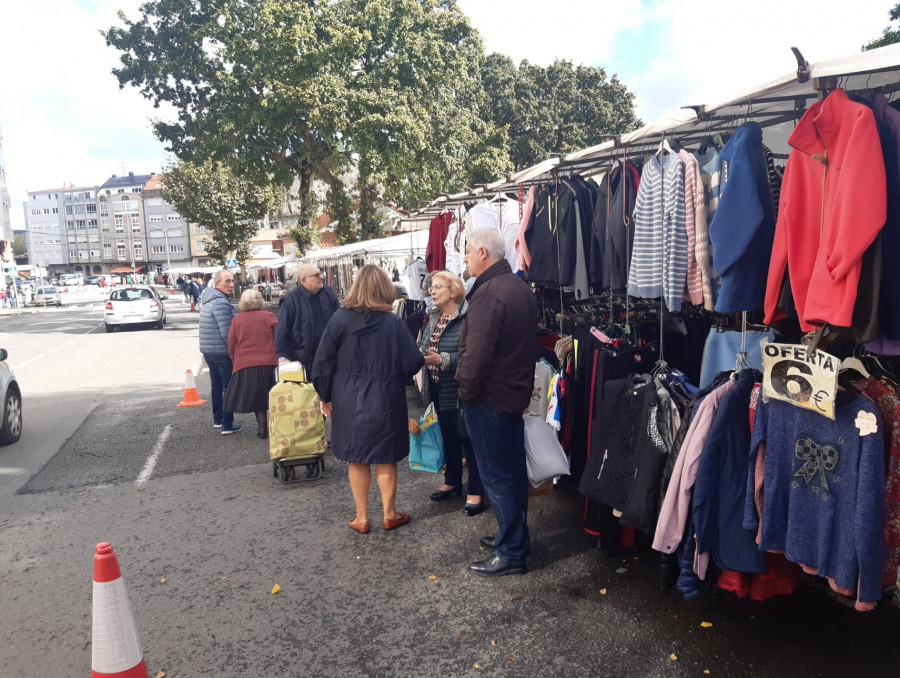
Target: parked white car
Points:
(11, 421)
(134, 304)
(46, 296)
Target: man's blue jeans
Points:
(498, 439)
(220, 367)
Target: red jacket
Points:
(251, 340)
(436, 255)
(820, 240)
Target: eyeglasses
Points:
(315, 275)
(438, 287)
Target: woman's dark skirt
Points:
(248, 390)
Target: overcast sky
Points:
(64, 119)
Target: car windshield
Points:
(131, 295)
(47, 290)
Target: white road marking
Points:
(44, 355)
(154, 455)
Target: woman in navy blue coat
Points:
(364, 359)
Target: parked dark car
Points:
(92, 280)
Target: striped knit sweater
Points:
(659, 257)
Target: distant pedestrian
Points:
(360, 369)
(3, 297)
(195, 291)
(216, 316)
(303, 317)
(495, 372)
(251, 347)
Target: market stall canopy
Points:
(413, 243)
(182, 270)
(775, 106)
(129, 269)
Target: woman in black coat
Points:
(360, 372)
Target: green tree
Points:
(388, 90)
(557, 109)
(889, 35)
(226, 205)
(20, 244)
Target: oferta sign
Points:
(805, 379)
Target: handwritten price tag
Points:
(806, 380)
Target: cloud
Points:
(63, 115)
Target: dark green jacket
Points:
(448, 347)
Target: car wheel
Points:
(11, 430)
(159, 324)
(109, 328)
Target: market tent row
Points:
(187, 270)
(396, 247)
(776, 106)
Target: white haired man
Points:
(496, 377)
(303, 316)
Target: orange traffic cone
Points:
(115, 648)
(193, 306)
(191, 395)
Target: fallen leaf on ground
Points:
(673, 657)
(602, 592)
(276, 588)
(162, 581)
(434, 576)
(223, 578)
(476, 666)
(512, 659)
(161, 674)
(706, 671)
(140, 489)
(459, 637)
(493, 643)
(706, 625)
(517, 597)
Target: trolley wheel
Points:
(275, 469)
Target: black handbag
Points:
(461, 429)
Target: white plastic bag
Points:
(543, 453)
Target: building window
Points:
(135, 224)
(56, 210)
(92, 208)
(121, 252)
(199, 230)
(79, 223)
(119, 227)
(155, 219)
(73, 254)
(158, 249)
(79, 209)
(176, 249)
(136, 189)
(107, 252)
(68, 209)
(70, 225)
(92, 223)
(173, 217)
(138, 250)
(104, 223)
(95, 254)
(200, 245)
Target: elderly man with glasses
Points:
(216, 315)
(303, 316)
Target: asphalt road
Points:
(202, 542)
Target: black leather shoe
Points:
(495, 566)
(474, 509)
(489, 542)
(440, 495)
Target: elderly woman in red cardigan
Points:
(251, 346)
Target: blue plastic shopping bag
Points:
(426, 449)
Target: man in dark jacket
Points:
(303, 316)
(496, 377)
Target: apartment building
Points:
(45, 233)
(167, 231)
(123, 236)
(82, 244)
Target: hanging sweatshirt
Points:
(455, 242)
(436, 255)
(721, 484)
(523, 256)
(659, 257)
(502, 215)
(823, 503)
(742, 230)
(888, 120)
(612, 229)
(821, 236)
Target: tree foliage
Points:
(226, 205)
(278, 89)
(890, 35)
(557, 109)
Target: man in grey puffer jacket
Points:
(216, 315)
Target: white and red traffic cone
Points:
(115, 651)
